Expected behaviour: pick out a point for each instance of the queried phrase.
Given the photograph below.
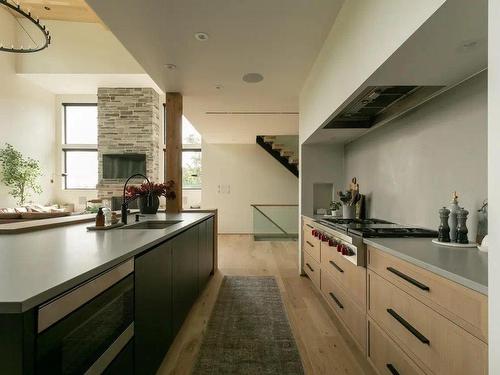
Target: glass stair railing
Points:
(275, 222)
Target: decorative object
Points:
(19, 173)
(484, 244)
(248, 331)
(156, 190)
(462, 226)
(453, 217)
(45, 38)
(482, 222)
(444, 228)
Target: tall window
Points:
(79, 146)
(191, 156)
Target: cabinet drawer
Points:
(353, 318)
(350, 276)
(312, 269)
(463, 306)
(385, 356)
(434, 342)
(312, 245)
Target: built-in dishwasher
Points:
(89, 329)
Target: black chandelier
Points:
(26, 14)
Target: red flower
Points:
(165, 189)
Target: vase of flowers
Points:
(148, 195)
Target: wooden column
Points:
(173, 142)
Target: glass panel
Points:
(81, 124)
(81, 169)
(191, 169)
(190, 135)
(275, 222)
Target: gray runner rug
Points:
(248, 332)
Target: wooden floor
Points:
(319, 336)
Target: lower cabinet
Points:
(184, 275)
(153, 307)
(168, 279)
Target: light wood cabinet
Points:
(312, 269)
(434, 342)
(385, 356)
(351, 277)
(353, 318)
(312, 245)
(463, 306)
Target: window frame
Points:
(65, 147)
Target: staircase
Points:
(284, 148)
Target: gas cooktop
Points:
(376, 228)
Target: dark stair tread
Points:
(277, 155)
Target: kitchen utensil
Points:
(462, 226)
(444, 229)
(453, 217)
(484, 244)
(482, 222)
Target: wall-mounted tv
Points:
(121, 166)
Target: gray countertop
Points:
(37, 266)
(466, 266)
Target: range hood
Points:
(379, 104)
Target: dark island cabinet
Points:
(168, 279)
(153, 307)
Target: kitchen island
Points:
(159, 274)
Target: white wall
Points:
(410, 167)
(364, 35)
(494, 185)
(26, 118)
(253, 176)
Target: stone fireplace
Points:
(129, 124)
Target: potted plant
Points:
(19, 173)
(154, 191)
(336, 208)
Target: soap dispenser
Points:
(453, 217)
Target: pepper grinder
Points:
(453, 217)
(462, 227)
(444, 228)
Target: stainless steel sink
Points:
(152, 224)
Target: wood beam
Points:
(173, 152)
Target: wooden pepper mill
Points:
(462, 226)
(444, 228)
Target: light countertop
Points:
(37, 266)
(465, 266)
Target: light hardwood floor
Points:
(319, 335)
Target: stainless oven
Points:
(89, 329)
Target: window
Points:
(80, 146)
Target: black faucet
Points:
(126, 202)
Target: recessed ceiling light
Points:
(170, 66)
(253, 77)
(46, 8)
(218, 87)
(201, 36)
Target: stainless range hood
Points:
(378, 104)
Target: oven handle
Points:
(59, 307)
(111, 352)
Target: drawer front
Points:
(353, 318)
(385, 356)
(434, 342)
(463, 306)
(312, 269)
(350, 276)
(311, 244)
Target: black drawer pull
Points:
(409, 327)
(409, 279)
(336, 266)
(310, 226)
(392, 369)
(308, 265)
(336, 300)
(310, 244)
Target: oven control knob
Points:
(325, 238)
(313, 232)
(339, 247)
(344, 250)
(332, 243)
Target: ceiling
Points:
(433, 55)
(279, 39)
(61, 10)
